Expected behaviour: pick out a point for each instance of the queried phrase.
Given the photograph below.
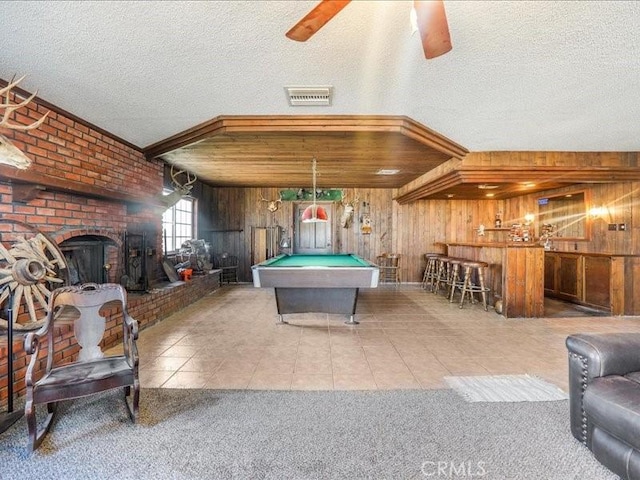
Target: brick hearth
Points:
(148, 309)
(84, 181)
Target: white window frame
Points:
(178, 223)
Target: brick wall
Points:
(67, 148)
(90, 180)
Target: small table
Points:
(316, 283)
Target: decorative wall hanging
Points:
(272, 205)
(365, 228)
(348, 211)
(327, 195)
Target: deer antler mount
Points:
(347, 215)
(182, 181)
(9, 153)
(272, 205)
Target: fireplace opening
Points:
(89, 258)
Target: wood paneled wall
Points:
(412, 229)
(622, 201)
(231, 212)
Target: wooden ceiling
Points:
(501, 175)
(277, 151)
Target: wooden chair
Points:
(82, 310)
(389, 265)
(229, 266)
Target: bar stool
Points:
(430, 270)
(474, 269)
(443, 272)
(455, 277)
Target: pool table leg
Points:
(352, 321)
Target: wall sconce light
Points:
(529, 218)
(600, 212)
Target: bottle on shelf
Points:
(498, 222)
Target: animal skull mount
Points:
(12, 155)
(9, 153)
(272, 205)
(347, 214)
(181, 188)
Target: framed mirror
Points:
(564, 216)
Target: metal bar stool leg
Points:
(483, 290)
(440, 273)
(466, 283)
(431, 271)
(444, 273)
(454, 281)
(425, 275)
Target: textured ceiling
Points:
(521, 76)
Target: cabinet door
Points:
(569, 277)
(597, 281)
(550, 272)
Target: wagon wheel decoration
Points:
(29, 270)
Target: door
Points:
(313, 238)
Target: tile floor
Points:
(407, 338)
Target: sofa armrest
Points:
(592, 356)
(607, 353)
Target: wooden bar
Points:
(515, 274)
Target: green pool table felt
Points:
(340, 260)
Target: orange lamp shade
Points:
(314, 213)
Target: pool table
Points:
(316, 283)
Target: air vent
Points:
(309, 96)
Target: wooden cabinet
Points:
(596, 280)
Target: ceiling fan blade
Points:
(433, 27)
(316, 19)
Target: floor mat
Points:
(505, 388)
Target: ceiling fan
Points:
(430, 15)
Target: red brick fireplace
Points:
(87, 189)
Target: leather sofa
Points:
(604, 390)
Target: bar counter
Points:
(515, 274)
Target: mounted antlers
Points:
(347, 214)
(273, 205)
(183, 188)
(180, 189)
(9, 154)
(9, 108)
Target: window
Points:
(177, 224)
